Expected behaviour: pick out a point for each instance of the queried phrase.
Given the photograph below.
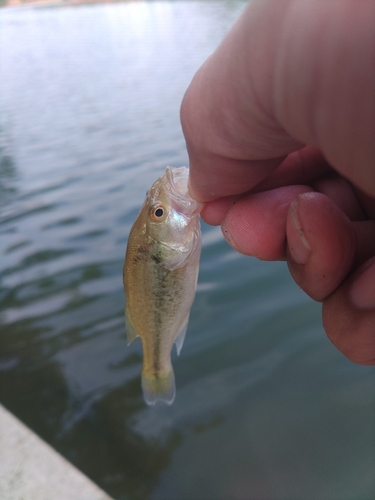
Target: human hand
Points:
(280, 128)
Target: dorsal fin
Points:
(129, 327)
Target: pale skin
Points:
(280, 129)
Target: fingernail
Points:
(299, 247)
(362, 290)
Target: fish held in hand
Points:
(160, 278)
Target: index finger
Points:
(287, 74)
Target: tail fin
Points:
(159, 387)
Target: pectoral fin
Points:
(179, 341)
(129, 327)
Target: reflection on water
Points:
(265, 407)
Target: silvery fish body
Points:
(160, 278)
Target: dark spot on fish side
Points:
(157, 258)
(140, 255)
(168, 293)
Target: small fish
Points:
(160, 278)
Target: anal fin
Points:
(179, 341)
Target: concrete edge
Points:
(30, 469)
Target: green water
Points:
(266, 407)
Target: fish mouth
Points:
(177, 181)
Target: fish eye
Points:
(158, 213)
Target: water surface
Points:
(266, 407)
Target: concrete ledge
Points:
(31, 470)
